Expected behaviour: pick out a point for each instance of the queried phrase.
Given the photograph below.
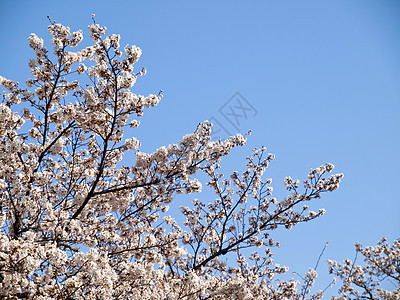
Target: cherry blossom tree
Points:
(382, 263)
(79, 222)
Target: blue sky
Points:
(322, 76)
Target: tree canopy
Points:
(79, 222)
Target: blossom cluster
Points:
(382, 263)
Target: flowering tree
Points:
(362, 282)
(77, 224)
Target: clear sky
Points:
(320, 79)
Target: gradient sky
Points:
(322, 79)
